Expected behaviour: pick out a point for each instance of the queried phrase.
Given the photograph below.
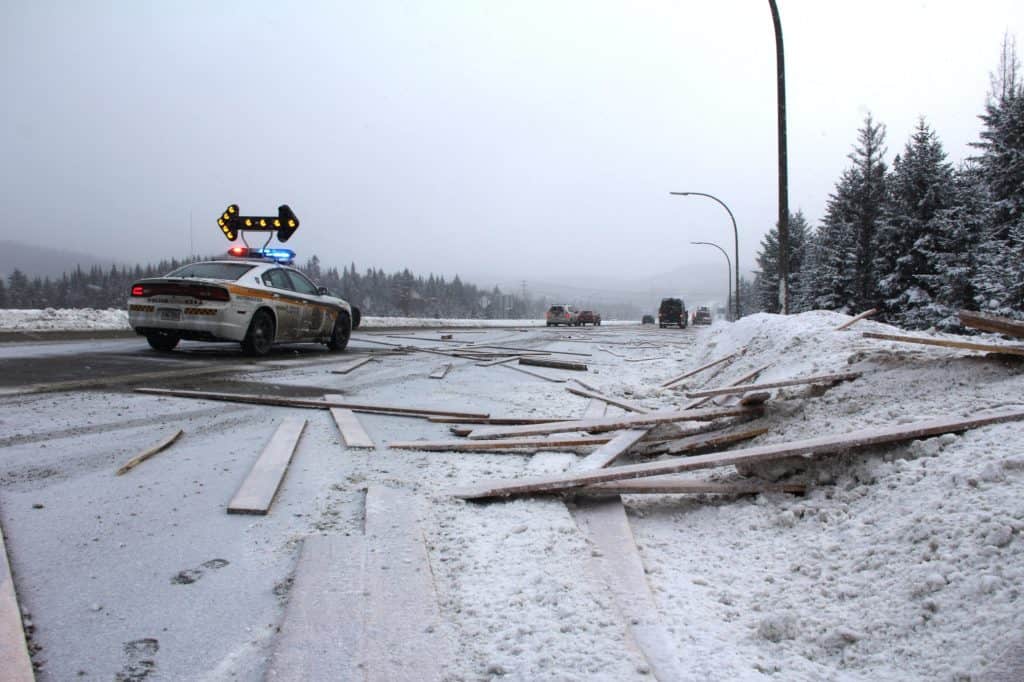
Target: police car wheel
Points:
(339, 337)
(162, 341)
(260, 336)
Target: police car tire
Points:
(162, 341)
(340, 334)
(260, 336)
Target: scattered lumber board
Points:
(948, 343)
(15, 663)
(703, 441)
(743, 379)
(711, 364)
(612, 450)
(527, 350)
(257, 491)
(743, 388)
(545, 377)
(992, 323)
(441, 371)
(611, 423)
(825, 445)
(535, 444)
(858, 318)
(351, 429)
(307, 402)
(554, 364)
(499, 361)
(505, 421)
(323, 629)
(606, 526)
(355, 364)
(618, 402)
(675, 485)
(146, 454)
(404, 635)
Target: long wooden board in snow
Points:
(711, 364)
(520, 444)
(856, 319)
(554, 364)
(749, 376)
(355, 364)
(676, 485)
(992, 323)
(545, 377)
(259, 488)
(627, 405)
(149, 452)
(824, 445)
(441, 371)
(612, 450)
(612, 423)
(351, 429)
(949, 343)
(704, 441)
(15, 663)
(308, 403)
(743, 388)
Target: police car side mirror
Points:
(322, 291)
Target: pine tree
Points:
(766, 281)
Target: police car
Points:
(253, 298)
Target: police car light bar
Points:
(231, 223)
(284, 256)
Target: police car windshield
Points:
(228, 271)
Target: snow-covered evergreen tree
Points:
(766, 281)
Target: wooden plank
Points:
(257, 491)
(554, 364)
(355, 364)
(612, 450)
(743, 388)
(528, 350)
(676, 485)
(743, 379)
(499, 361)
(352, 432)
(405, 639)
(146, 454)
(711, 364)
(535, 444)
(595, 409)
(858, 318)
(755, 398)
(441, 371)
(323, 630)
(317, 404)
(618, 562)
(612, 423)
(507, 421)
(618, 402)
(15, 663)
(545, 377)
(992, 323)
(703, 441)
(825, 445)
(946, 343)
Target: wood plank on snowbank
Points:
(743, 388)
(948, 343)
(825, 445)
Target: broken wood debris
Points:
(676, 485)
(704, 441)
(612, 450)
(738, 382)
(441, 371)
(526, 350)
(992, 323)
(858, 318)
(259, 488)
(676, 380)
(533, 444)
(14, 658)
(743, 388)
(355, 364)
(146, 454)
(613, 423)
(825, 445)
(318, 404)
(948, 343)
(618, 402)
(545, 377)
(555, 364)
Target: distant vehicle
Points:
(588, 317)
(647, 319)
(254, 299)
(672, 311)
(702, 316)
(561, 314)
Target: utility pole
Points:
(783, 164)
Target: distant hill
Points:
(42, 261)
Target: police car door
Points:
(286, 304)
(313, 317)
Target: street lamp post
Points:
(728, 264)
(736, 238)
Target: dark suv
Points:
(672, 311)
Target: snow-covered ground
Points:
(904, 562)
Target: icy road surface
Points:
(902, 563)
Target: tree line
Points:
(920, 239)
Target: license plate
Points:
(170, 315)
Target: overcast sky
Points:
(525, 139)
